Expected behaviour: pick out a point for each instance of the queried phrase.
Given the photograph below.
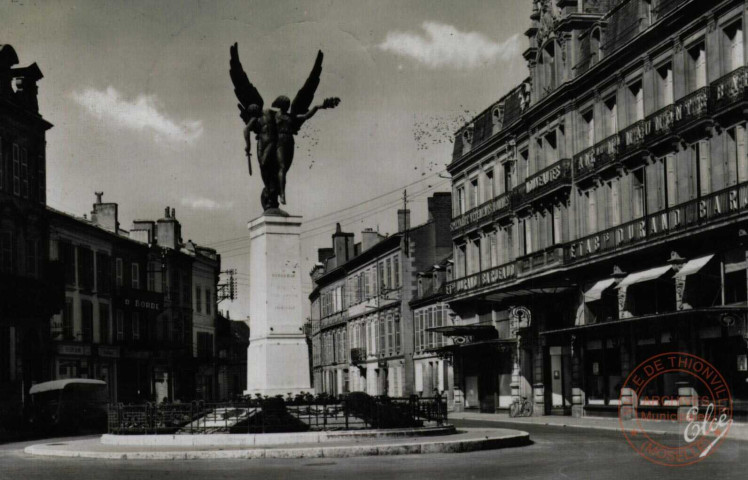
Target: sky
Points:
(144, 110)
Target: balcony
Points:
(493, 276)
(692, 108)
(546, 181)
(729, 90)
(490, 210)
(708, 209)
(596, 158)
(540, 260)
(358, 355)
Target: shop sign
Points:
(83, 350)
(109, 352)
(142, 304)
(543, 179)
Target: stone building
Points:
(600, 206)
(27, 280)
(361, 321)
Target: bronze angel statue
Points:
(274, 127)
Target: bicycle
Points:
(521, 408)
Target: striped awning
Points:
(693, 266)
(644, 276)
(596, 291)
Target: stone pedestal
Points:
(277, 357)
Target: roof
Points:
(61, 384)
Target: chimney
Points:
(342, 244)
(369, 238)
(403, 219)
(105, 215)
(168, 230)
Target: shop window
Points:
(603, 371)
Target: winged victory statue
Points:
(274, 127)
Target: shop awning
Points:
(693, 266)
(644, 276)
(596, 292)
(462, 330)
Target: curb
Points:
(513, 438)
(266, 439)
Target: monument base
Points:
(277, 356)
(277, 365)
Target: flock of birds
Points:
(429, 131)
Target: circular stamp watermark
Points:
(697, 409)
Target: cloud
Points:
(200, 203)
(140, 114)
(445, 46)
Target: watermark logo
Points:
(696, 412)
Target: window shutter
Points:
(736, 52)
(742, 161)
(672, 180)
(704, 167)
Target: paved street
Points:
(557, 453)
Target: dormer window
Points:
(497, 117)
(467, 139)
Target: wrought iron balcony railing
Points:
(692, 107)
(496, 206)
(549, 179)
(729, 89)
(595, 158)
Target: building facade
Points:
(600, 206)
(27, 279)
(361, 322)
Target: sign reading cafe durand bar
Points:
(679, 217)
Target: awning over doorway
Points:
(644, 276)
(693, 266)
(596, 292)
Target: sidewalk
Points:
(738, 431)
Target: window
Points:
(592, 211)
(551, 150)
(700, 159)
(198, 299)
(614, 202)
(636, 102)
(16, 170)
(737, 164)
(664, 79)
(557, 224)
(588, 128)
(24, 173)
(208, 300)
(40, 178)
(120, 325)
(508, 185)
(461, 206)
(135, 325)
(460, 260)
(67, 320)
(473, 199)
(103, 273)
(32, 257)
(733, 46)
(104, 323)
(527, 229)
(397, 333)
(87, 321)
(85, 268)
(493, 241)
(639, 194)
(118, 271)
(473, 260)
(671, 180)
(490, 187)
(204, 345)
(135, 275)
(696, 67)
(388, 274)
(396, 268)
(611, 116)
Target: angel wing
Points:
(245, 92)
(304, 98)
